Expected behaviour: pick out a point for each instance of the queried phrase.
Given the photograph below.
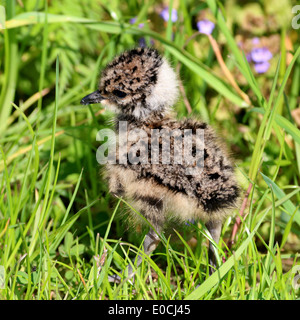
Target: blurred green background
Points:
(54, 204)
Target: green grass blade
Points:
(280, 93)
(284, 124)
(288, 205)
(113, 27)
(10, 68)
(216, 277)
(43, 61)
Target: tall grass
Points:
(60, 230)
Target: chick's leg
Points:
(214, 228)
(150, 243)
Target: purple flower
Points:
(205, 26)
(142, 42)
(262, 67)
(248, 57)
(255, 40)
(165, 14)
(189, 222)
(133, 20)
(259, 55)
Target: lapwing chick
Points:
(165, 168)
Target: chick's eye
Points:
(119, 94)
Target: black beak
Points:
(94, 97)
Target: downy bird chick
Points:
(142, 88)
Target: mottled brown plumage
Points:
(142, 88)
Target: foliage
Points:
(60, 230)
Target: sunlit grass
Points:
(61, 234)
